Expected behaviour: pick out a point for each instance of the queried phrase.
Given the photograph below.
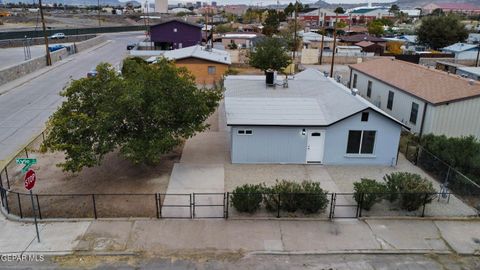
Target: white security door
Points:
(315, 146)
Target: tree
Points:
(143, 113)
(269, 53)
(440, 31)
(394, 9)
(288, 34)
(438, 12)
(223, 28)
(339, 10)
(289, 9)
(375, 28)
(271, 24)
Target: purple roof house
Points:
(175, 34)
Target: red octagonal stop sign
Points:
(30, 179)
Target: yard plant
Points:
(247, 198)
(367, 192)
(411, 190)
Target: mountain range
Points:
(400, 3)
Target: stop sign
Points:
(30, 179)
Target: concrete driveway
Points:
(200, 172)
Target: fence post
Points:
(8, 180)
(406, 150)
(192, 203)
(424, 203)
(226, 212)
(278, 206)
(160, 204)
(417, 154)
(156, 205)
(224, 201)
(38, 206)
(6, 201)
(360, 205)
(94, 206)
(330, 215)
(19, 205)
(26, 152)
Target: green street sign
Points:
(28, 162)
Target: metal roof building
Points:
(312, 120)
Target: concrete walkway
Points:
(198, 236)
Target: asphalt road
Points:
(27, 103)
(14, 56)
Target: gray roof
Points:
(460, 47)
(311, 99)
(471, 70)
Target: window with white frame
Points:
(212, 70)
(361, 142)
(245, 132)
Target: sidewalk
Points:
(199, 236)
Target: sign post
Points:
(30, 179)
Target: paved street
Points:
(14, 56)
(26, 103)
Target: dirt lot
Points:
(114, 176)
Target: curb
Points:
(355, 252)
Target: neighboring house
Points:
(175, 34)
(425, 99)
(312, 40)
(353, 39)
(243, 40)
(208, 65)
(469, 72)
(348, 50)
(371, 47)
(463, 51)
(238, 10)
(463, 8)
(311, 119)
(447, 66)
(473, 38)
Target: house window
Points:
(369, 89)
(354, 85)
(245, 132)
(390, 100)
(361, 141)
(365, 117)
(414, 113)
(212, 70)
(175, 30)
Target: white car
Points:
(58, 36)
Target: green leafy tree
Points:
(269, 53)
(143, 113)
(438, 12)
(339, 10)
(375, 28)
(288, 35)
(440, 31)
(271, 24)
(394, 9)
(223, 28)
(289, 9)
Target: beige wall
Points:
(199, 69)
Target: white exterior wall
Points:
(456, 119)
(402, 102)
(467, 55)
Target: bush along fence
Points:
(450, 178)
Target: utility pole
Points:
(478, 55)
(98, 12)
(323, 38)
(334, 44)
(295, 36)
(206, 26)
(45, 37)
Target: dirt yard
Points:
(115, 175)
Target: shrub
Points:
(270, 199)
(411, 188)
(247, 198)
(372, 191)
(313, 198)
(289, 195)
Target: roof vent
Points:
(354, 91)
(471, 82)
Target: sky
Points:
(273, 2)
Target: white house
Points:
(469, 72)
(463, 51)
(308, 118)
(425, 99)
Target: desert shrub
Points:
(313, 198)
(289, 195)
(247, 198)
(372, 191)
(412, 190)
(270, 199)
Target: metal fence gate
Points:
(343, 205)
(209, 205)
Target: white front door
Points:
(315, 146)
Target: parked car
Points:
(55, 47)
(58, 36)
(92, 73)
(131, 46)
